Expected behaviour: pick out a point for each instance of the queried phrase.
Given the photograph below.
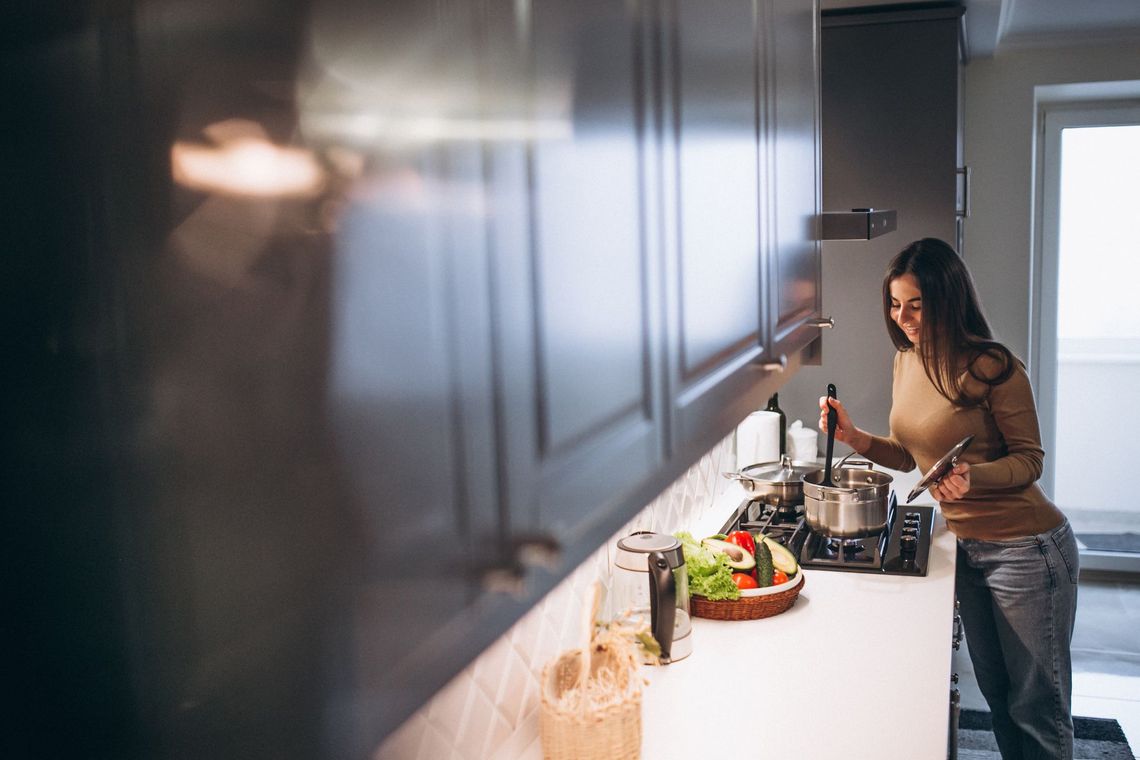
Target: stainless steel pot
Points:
(856, 506)
(777, 483)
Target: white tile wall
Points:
(490, 710)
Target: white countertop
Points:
(861, 663)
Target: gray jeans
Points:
(1018, 602)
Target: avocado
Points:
(738, 557)
(763, 565)
(782, 559)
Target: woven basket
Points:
(612, 732)
(747, 607)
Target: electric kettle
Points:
(651, 584)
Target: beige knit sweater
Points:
(1004, 501)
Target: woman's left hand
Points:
(954, 485)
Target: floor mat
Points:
(1096, 738)
(1111, 542)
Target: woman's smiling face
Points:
(906, 306)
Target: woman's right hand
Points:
(845, 429)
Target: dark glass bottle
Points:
(774, 406)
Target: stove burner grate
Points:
(902, 548)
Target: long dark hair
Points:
(955, 333)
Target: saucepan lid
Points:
(940, 468)
(784, 471)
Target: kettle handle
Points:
(662, 603)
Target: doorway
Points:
(1087, 323)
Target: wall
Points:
(490, 710)
(999, 147)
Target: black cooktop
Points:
(902, 548)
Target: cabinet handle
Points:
(536, 550)
(504, 580)
(822, 322)
(779, 365)
(963, 191)
(523, 552)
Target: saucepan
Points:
(845, 501)
(777, 483)
(854, 505)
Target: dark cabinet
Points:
(793, 274)
(713, 93)
(580, 343)
(473, 280)
(741, 199)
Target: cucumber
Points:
(781, 557)
(763, 565)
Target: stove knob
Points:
(908, 544)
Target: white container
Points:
(802, 442)
(758, 439)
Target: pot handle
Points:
(843, 462)
(736, 476)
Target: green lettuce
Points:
(709, 573)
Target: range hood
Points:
(858, 223)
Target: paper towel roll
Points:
(758, 439)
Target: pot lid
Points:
(646, 541)
(784, 471)
(634, 550)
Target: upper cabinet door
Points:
(794, 264)
(393, 91)
(579, 341)
(712, 83)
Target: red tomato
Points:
(743, 581)
(778, 577)
(743, 539)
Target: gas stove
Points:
(902, 548)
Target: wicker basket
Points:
(610, 732)
(747, 607)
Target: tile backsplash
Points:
(490, 710)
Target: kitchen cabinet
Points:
(412, 385)
(330, 427)
(576, 278)
(713, 92)
(741, 184)
(793, 276)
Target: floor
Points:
(1106, 656)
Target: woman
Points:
(1017, 557)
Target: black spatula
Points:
(832, 422)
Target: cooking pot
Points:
(854, 507)
(777, 483)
